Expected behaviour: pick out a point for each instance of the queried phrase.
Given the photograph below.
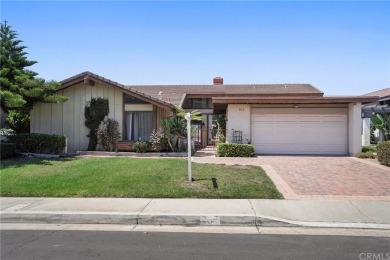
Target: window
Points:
(138, 126)
(209, 103)
(133, 100)
(198, 103)
(201, 103)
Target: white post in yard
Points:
(189, 145)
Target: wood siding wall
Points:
(68, 118)
(161, 114)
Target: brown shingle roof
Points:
(174, 93)
(168, 95)
(381, 93)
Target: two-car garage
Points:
(299, 130)
(296, 125)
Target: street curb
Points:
(69, 218)
(268, 222)
(168, 219)
(202, 220)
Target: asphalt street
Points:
(39, 244)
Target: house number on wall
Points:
(241, 109)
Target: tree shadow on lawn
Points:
(21, 162)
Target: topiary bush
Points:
(235, 150)
(39, 143)
(95, 111)
(7, 150)
(141, 147)
(383, 152)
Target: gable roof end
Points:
(89, 78)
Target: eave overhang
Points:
(220, 103)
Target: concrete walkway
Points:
(208, 212)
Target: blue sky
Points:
(343, 48)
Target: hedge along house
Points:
(276, 118)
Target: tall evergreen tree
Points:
(20, 89)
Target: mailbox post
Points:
(189, 145)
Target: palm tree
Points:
(381, 121)
(195, 115)
(166, 127)
(176, 126)
(179, 129)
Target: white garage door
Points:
(299, 133)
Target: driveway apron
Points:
(319, 176)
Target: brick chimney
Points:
(218, 81)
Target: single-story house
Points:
(382, 105)
(275, 118)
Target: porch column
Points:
(366, 131)
(354, 128)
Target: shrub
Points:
(108, 135)
(39, 143)
(158, 141)
(383, 151)
(365, 155)
(6, 131)
(372, 134)
(7, 150)
(19, 121)
(368, 148)
(235, 150)
(141, 146)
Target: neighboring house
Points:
(275, 118)
(382, 105)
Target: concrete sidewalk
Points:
(244, 212)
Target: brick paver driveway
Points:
(319, 177)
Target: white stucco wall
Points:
(239, 116)
(354, 128)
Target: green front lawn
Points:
(131, 177)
